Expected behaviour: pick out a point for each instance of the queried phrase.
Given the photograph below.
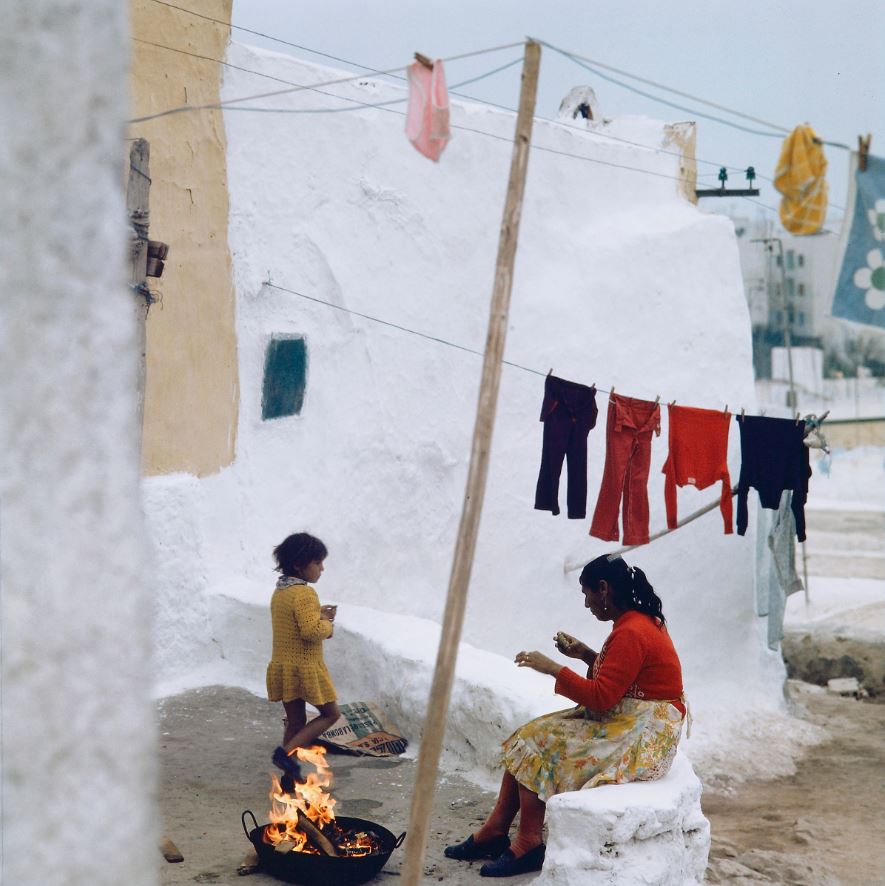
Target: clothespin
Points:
(798, 414)
(863, 150)
(612, 390)
(725, 411)
(422, 59)
(761, 412)
(657, 399)
(672, 403)
(821, 419)
(742, 413)
(549, 372)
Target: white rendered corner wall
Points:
(618, 280)
(76, 724)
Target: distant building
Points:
(788, 284)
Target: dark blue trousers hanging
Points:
(773, 458)
(568, 412)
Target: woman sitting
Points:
(626, 726)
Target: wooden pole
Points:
(453, 619)
(138, 208)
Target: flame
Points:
(311, 798)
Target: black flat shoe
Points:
(508, 865)
(291, 769)
(470, 850)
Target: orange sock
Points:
(531, 822)
(501, 817)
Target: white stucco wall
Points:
(618, 281)
(77, 741)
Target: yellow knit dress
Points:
(296, 668)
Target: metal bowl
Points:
(322, 870)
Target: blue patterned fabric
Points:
(860, 289)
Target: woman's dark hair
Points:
(296, 551)
(630, 587)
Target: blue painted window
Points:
(285, 377)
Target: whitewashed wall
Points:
(77, 725)
(618, 281)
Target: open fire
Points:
(304, 821)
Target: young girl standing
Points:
(297, 673)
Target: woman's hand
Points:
(328, 612)
(331, 626)
(573, 648)
(537, 662)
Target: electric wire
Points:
(664, 101)
(396, 75)
(360, 105)
(383, 106)
(214, 106)
(452, 91)
(578, 59)
(366, 105)
(574, 56)
(337, 58)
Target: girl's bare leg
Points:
(307, 733)
(501, 817)
(296, 717)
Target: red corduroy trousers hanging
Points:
(628, 434)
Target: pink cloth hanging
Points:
(427, 122)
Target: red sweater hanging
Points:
(698, 457)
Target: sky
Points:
(820, 62)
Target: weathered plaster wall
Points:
(191, 397)
(76, 724)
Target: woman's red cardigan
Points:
(637, 660)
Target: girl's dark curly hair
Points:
(295, 552)
(630, 587)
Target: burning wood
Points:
(304, 820)
(316, 836)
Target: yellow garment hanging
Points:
(800, 178)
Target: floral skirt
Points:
(568, 750)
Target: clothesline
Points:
(429, 337)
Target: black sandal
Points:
(470, 850)
(291, 769)
(508, 865)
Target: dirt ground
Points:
(822, 825)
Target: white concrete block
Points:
(641, 833)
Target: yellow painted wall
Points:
(847, 435)
(192, 389)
